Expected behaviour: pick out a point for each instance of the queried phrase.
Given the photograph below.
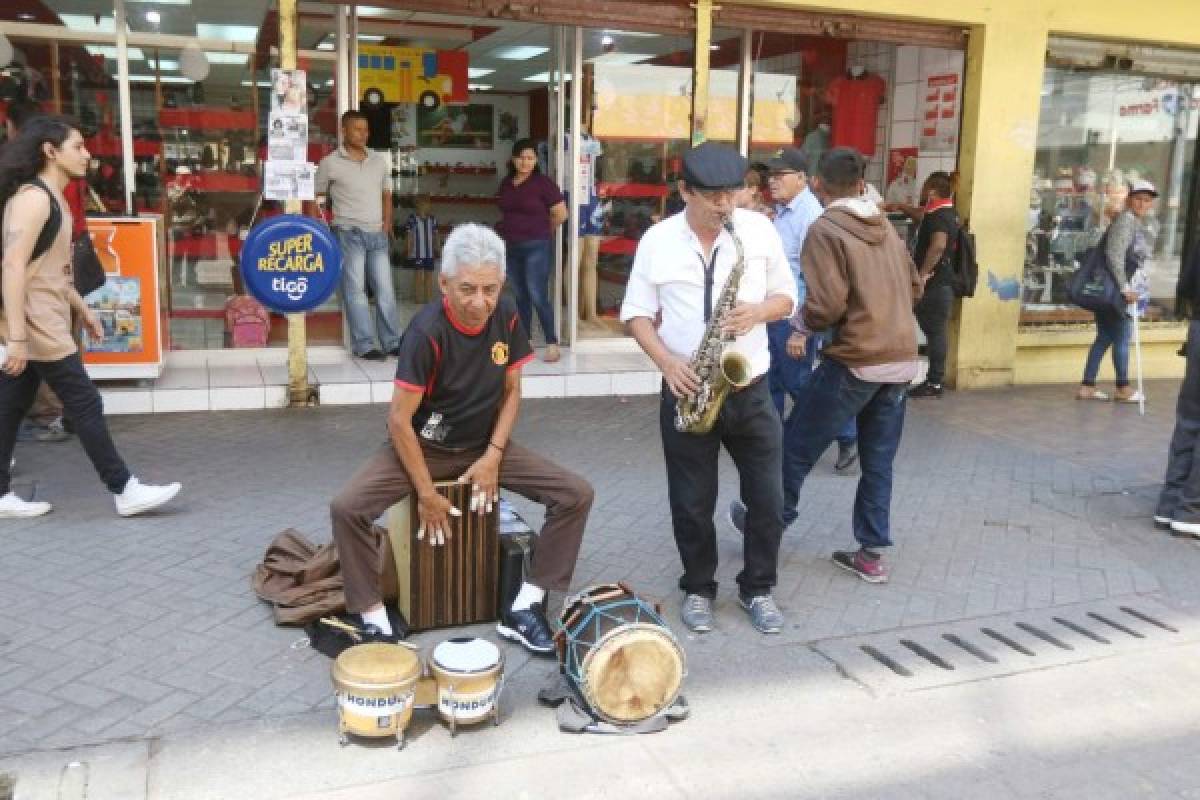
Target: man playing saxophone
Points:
(703, 286)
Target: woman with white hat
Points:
(1125, 248)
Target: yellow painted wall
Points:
(1058, 356)
(1004, 69)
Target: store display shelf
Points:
(430, 169)
(631, 190)
(111, 148)
(207, 119)
(216, 182)
(618, 246)
(463, 199)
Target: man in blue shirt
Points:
(796, 207)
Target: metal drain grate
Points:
(943, 654)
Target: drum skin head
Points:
(633, 674)
(376, 664)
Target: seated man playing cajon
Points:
(458, 391)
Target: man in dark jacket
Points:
(862, 284)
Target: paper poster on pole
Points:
(288, 180)
(287, 138)
(289, 91)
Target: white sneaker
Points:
(139, 497)
(12, 507)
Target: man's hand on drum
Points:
(484, 477)
(435, 511)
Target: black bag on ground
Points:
(85, 265)
(1093, 286)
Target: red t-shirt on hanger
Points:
(855, 104)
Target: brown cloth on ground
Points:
(304, 582)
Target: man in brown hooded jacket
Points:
(862, 284)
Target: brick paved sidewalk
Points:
(116, 628)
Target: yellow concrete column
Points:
(1001, 103)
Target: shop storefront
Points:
(1042, 111)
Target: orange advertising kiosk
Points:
(129, 303)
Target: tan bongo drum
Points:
(470, 676)
(375, 684)
(615, 649)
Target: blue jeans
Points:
(365, 262)
(529, 275)
(834, 397)
(788, 376)
(1112, 330)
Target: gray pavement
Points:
(136, 648)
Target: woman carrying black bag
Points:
(1125, 248)
(1179, 502)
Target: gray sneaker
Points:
(765, 616)
(697, 613)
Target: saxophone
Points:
(719, 369)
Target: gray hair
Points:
(472, 245)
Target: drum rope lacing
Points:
(593, 617)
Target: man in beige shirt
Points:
(35, 323)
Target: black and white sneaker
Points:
(372, 633)
(529, 628)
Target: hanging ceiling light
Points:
(6, 51)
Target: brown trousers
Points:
(382, 482)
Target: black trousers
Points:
(933, 315)
(1180, 496)
(750, 430)
(81, 403)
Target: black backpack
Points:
(964, 269)
(49, 229)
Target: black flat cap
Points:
(789, 159)
(714, 166)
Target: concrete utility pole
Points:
(297, 335)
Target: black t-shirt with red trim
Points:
(460, 371)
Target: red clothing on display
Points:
(855, 104)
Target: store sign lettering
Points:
(1170, 104)
(291, 263)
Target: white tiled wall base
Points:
(191, 384)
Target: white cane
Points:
(1137, 358)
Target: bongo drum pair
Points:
(378, 685)
(616, 651)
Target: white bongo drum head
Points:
(466, 655)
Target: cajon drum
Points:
(451, 584)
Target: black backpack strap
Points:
(53, 223)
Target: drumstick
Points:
(354, 632)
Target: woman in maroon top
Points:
(531, 207)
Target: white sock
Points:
(528, 595)
(379, 619)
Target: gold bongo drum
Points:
(470, 675)
(375, 684)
